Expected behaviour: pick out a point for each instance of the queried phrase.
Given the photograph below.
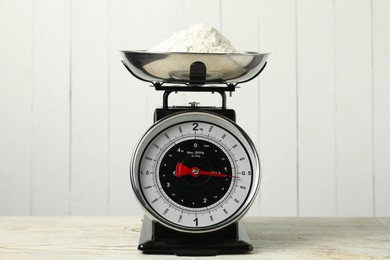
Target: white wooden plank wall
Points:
(50, 109)
(278, 108)
(70, 114)
(381, 106)
(316, 109)
(89, 107)
(15, 107)
(353, 60)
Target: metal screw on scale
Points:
(194, 104)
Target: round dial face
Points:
(195, 172)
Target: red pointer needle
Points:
(182, 170)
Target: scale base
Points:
(157, 239)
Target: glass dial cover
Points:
(195, 172)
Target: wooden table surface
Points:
(117, 238)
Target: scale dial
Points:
(195, 172)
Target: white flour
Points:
(198, 38)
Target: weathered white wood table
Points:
(117, 238)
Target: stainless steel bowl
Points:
(174, 67)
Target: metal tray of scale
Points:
(194, 69)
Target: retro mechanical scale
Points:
(195, 172)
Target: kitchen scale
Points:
(195, 171)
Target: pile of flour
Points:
(201, 38)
